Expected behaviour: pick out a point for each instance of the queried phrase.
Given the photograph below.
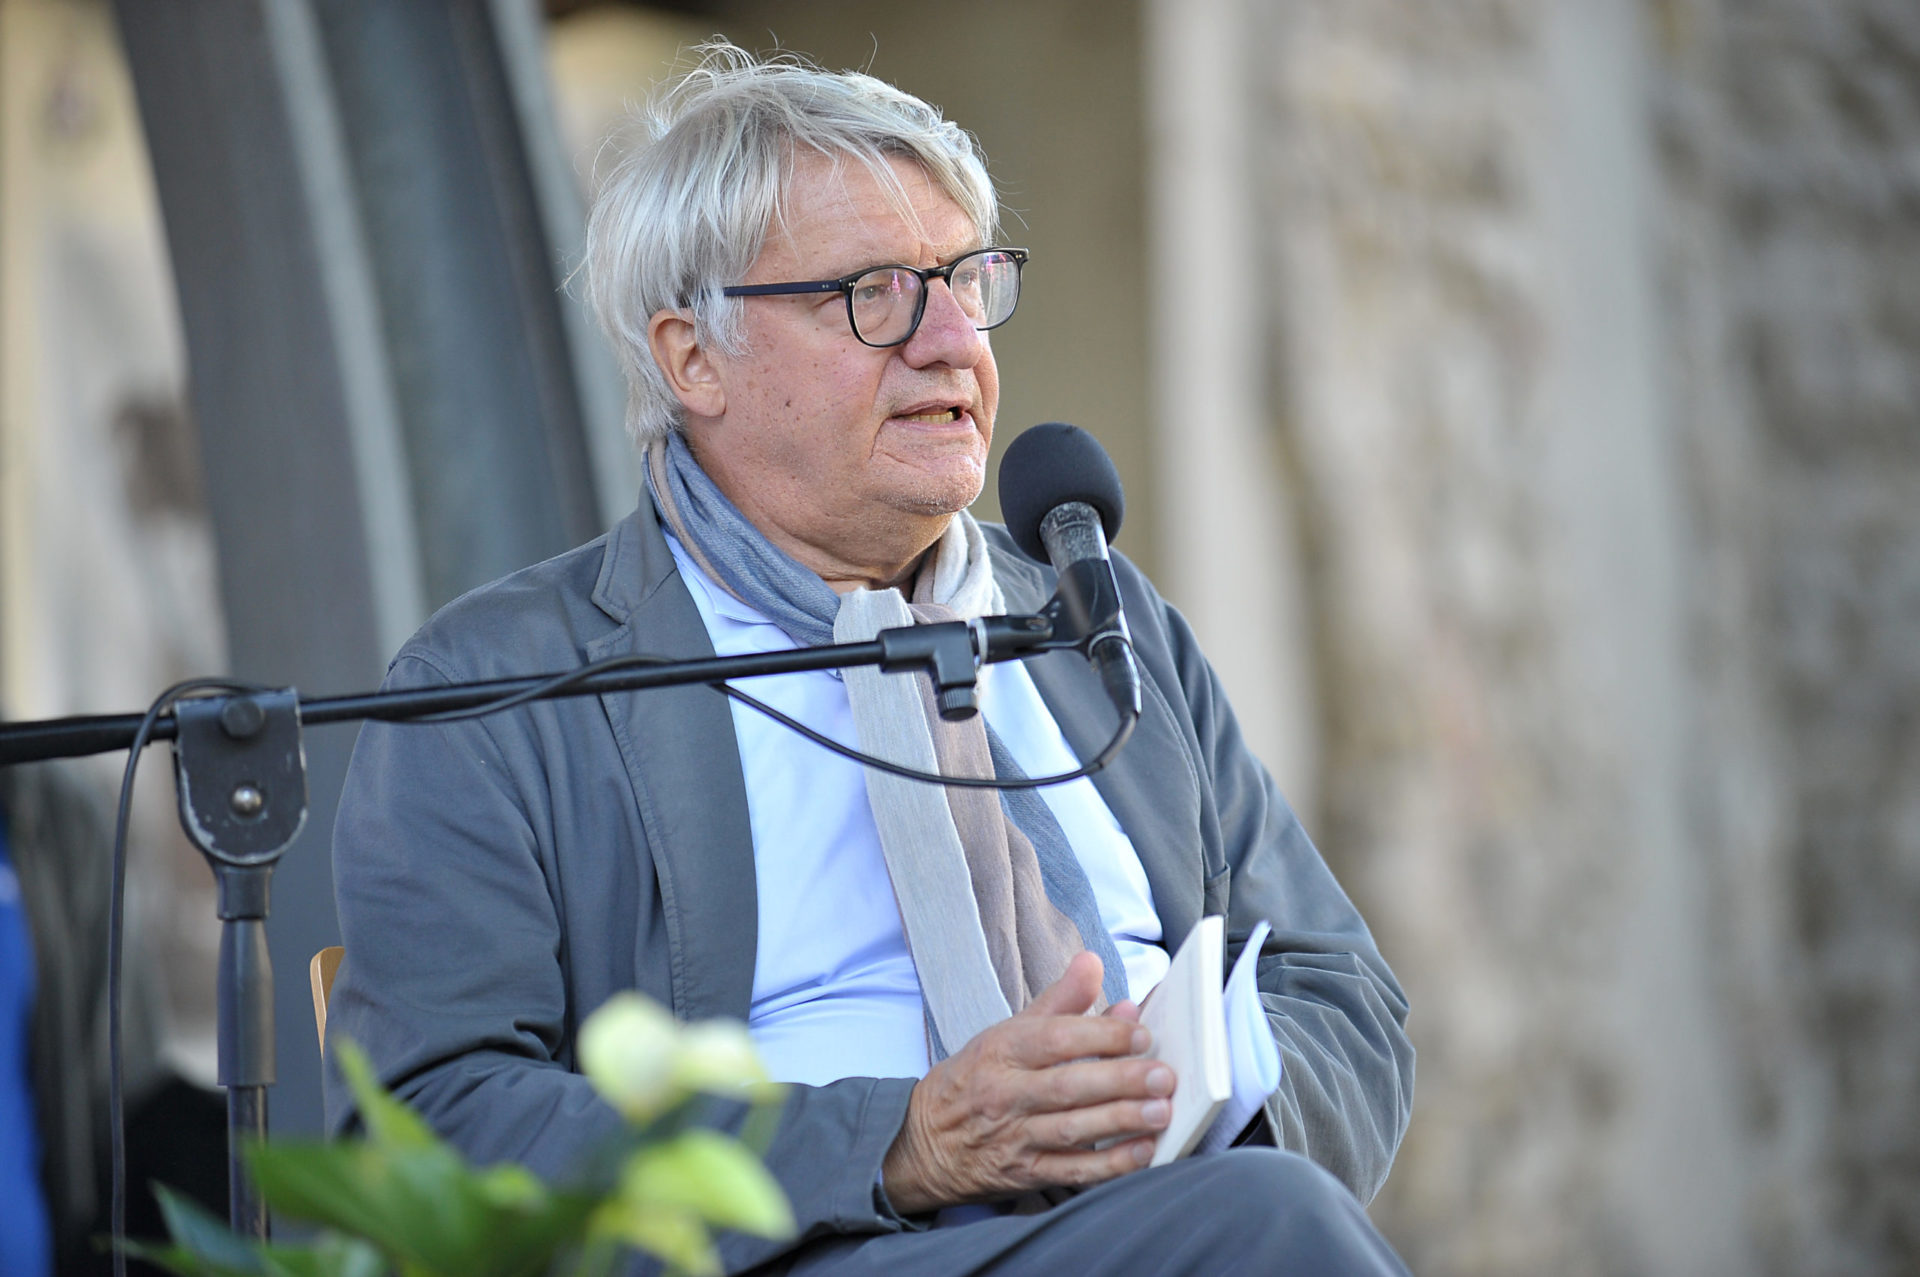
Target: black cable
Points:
(1100, 760)
(116, 923)
(543, 690)
(560, 682)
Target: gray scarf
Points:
(993, 901)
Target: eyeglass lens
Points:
(886, 303)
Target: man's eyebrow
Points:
(973, 245)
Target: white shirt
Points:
(834, 990)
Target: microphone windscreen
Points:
(1051, 465)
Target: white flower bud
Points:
(628, 1049)
(718, 1056)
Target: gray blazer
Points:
(500, 878)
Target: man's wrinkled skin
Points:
(1018, 1106)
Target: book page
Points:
(1190, 1035)
(1254, 1056)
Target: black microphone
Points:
(1062, 501)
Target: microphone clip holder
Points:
(951, 654)
(240, 774)
(1084, 610)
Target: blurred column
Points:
(460, 185)
(1506, 570)
(1227, 533)
(388, 387)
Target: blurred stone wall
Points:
(1597, 368)
(108, 580)
(1811, 172)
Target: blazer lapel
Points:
(684, 762)
(1151, 787)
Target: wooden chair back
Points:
(325, 965)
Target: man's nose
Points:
(946, 334)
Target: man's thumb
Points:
(1073, 993)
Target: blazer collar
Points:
(637, 563)
(682, 758)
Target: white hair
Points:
(686, 207)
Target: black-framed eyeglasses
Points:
(885, 303)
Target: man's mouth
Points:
(939, 416)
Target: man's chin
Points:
(940, 493)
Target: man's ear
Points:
(685, 363)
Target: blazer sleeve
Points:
(461, 985)
(1337, 1012)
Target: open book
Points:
(1215, 1039)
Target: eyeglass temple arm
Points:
(770, 290)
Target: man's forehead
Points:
(837, 204)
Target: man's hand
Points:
(1021, 1105)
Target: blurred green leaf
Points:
(331, 1256)
(338, 1185)
(511, 1186)
(206, 1247)
(205, 1237)
(421, 1206)
(401, 1199)
(387, 1120)
(424, 1207)
(178, 1259)
(673, 1234)
(406, 1202)
(712, 1176)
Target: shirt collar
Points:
(718, 601)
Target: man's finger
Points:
(1088, 1084)
(1059, 1039)
(1080, 1168)
(1073, 993)
(1099, 1082)
(1084, 1127)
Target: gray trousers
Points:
(1244, 1210)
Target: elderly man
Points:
(799, 271)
